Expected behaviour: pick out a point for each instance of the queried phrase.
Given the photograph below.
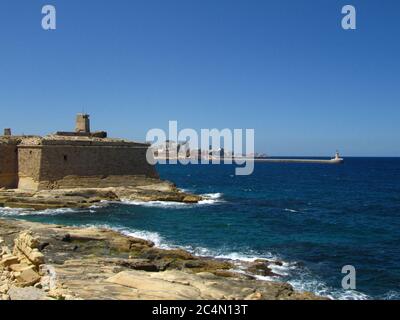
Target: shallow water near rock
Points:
(316, 218)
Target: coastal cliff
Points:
(45, 262)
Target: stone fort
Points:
(71, 159)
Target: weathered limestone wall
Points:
(8, 165)
(29, 160)
(61, 161)
(67, 166)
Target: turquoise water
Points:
(316, 218)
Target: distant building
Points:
(172, 149)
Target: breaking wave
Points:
(320, 288)
(140, 234)
(156, 204)
(12, 212)
(391, 295)
(212, 198)
(291, 210)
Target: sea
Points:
(316, 218)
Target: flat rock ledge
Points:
(51, 262)
(149, 190)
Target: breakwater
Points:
(310, 161)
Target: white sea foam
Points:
(237, 256)
(154, 237)
(156, 204)
(282, 270)
(265, 278)
(146, 235)
(208, 202)
(28, 212)
(214, 196)
(318, 287)
(391, 295)
(291, 210)
(101, 204)
(210, 198)
(11, 211)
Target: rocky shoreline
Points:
(47, 262)
(146, 189)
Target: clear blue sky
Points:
(285, 68)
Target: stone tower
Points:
(82, 123)
(7, 132)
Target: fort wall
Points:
(29, 161)
(67, 166)
(72, 159)
(8, 165)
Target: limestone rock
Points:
(306, 296)
(26, 247)
(8, 260)
(254, 296)
(178, 285)
(4, 288)
(28, 293)
(191, 199)
(27, 277)
(154, 288)
(5, 297)
(4, 250)
(19, 267)
(154, 254)
(139, 264)
(233, 274)
(261, 267)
